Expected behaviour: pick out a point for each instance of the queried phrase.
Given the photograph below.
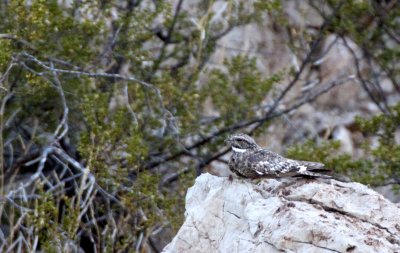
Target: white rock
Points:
(298, 215)
(342, 134)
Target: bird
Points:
(249, 160)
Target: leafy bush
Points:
(96, 98)
(102, 122)
(379, 165)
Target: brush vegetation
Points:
(102, 127)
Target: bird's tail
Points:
(314, 166)
(315, 169)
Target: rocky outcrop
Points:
(289, 215)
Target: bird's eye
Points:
(242, 143)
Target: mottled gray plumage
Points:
(251, 161)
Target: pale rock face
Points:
(295, 215)
(342, 134)
(337, 61)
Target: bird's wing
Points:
(312, 166)
(267, 163)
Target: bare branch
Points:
(362, 80)
(63, 124)
(89, 74)
(128, 105)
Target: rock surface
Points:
(289, 215)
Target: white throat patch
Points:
(239, 150)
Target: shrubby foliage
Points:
(96, 95)
(380, 162)
(370, 25)
(101, 119)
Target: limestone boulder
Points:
(290, 215)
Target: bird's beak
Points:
(228, 140)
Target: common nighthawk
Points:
(251, 161)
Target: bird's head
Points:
(241, 143)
